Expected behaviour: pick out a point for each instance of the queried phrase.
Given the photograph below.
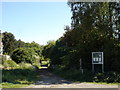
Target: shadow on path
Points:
(48, 78)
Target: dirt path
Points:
(49, 80)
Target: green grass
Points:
(18, 75)
(103, 83)
(11, 85)
(16, 78)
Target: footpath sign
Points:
(97, 58)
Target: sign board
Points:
(97, 57)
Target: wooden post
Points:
(102, 68)
(92, 68)
(81, 66)
(102, 64)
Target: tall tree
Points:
(93, 27)
(8, 42)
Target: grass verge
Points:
(17, 78)
(11, 85)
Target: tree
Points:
(93, 27)
(8, 42)
(48, 49)
(92, 30)
(19, 43)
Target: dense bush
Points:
(24, 55)
(10, 64)
(86, 76)
(20, 55)
(108, 77)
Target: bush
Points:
(23, 55)
(36, 62)
(8, 63)
(4, 63)
(20, 55)
(25, 66)
(87, 76)
(108, 77)
(11, 64)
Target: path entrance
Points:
(50, 80)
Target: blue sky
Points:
(35, 21)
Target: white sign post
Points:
(97, 58)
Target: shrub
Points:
(4, 63)
(108, 77)
(23, 55)
(8, 63)
(87, 76)
(20, 55)
(25, 66)
(11, 64)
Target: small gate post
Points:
(92, 68)
(81, 66)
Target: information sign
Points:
(97, 57)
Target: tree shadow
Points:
(48, 78)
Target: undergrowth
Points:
(87, 76)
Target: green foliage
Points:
(55, 51)
(8, 42)
(22, 75)
(20, 55)
(22, 69)
(19, 44)
(86, 76)
(35, 46)
(23, 65)
(8, 63)
(71, 60)
(11, 64)
(11, 85)
(19, 76)
(108, 77)
(48, 48)
(24, 55)
(91, 31)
